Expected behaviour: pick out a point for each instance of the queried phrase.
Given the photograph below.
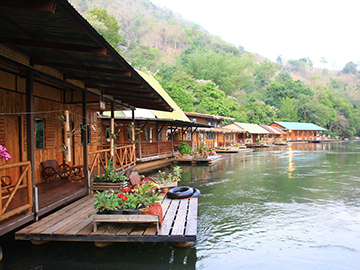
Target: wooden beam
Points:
(100, 82)
(38, 5)
(54, 45)
(30, 138)
(41, 62)
(85, 137)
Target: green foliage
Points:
(174, 176)
(110, 174)
(260, 113)
(105, 24)
(351, 67)
(106, 201)
(144, 56)
(276, 91)
(184, 148)
(263, 73)
(288, 111)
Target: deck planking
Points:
(74, 223)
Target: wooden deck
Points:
(210, 160)
(73, 223)
(51, 196)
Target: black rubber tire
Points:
(180, 193)
(196, 193)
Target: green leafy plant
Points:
(141, 196)
(184, 148)
(171, 177)
(110, 174)
(107, 201)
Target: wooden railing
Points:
(166, 147)
(124, 157)
(23, 180)
(148, 149)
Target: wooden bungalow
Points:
(254, 134)
(56, 72)
(157, 133)
(296, 132)
(276, 134)
(214, 137)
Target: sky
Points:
(294, 29)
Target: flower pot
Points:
(154, 209)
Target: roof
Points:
(252, 128)
(273, 130)
(209, 116)
(177, 113)
(220, 130)
(53, 34)
(299, 126)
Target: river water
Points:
(288, 207)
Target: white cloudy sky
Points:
(291, 28)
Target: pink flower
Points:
(3, 153)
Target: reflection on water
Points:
(288, 207)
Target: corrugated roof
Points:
(209, 116)
(299, 126)
(252, 128)
(220, 130)
(177, 113)
(273, 130)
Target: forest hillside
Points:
(205, 74)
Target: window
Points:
(107, 134)
(39, 133)
(210, 136)
(87, 133)
(201, 137)
(129, 134)
(146, 134)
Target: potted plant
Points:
(110, 179)
(128, 201)
(170, 180)
(184, 148)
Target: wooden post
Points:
(112, 132)
(85, 144)
(111, 137)
(133, 132)
(30, 138)
(67, 137)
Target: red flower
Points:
(126, 190)
(125, 198)
(120, 195)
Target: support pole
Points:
(67, 137)
(30, 138)
(85, 140)
(112, 132)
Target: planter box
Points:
(165, 187)
(101, 186)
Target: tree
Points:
(288, 111)
(350, 67)
(259, 113)
(106, 25)
(263, 73)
